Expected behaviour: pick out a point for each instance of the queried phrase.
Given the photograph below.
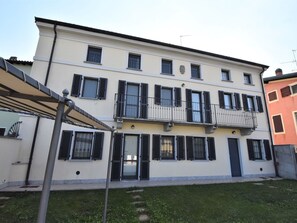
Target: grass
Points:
(274, 201)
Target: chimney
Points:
(278, 72)
(14, 58)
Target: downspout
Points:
(38, 118)
(269, 127)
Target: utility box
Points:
(286, 158)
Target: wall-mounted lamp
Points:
(132, 126)
(183, 84)
(233, 132)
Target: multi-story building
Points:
(281, 93)
(179, 113)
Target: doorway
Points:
(234, 157)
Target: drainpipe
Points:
(267, 116)
(38, 118)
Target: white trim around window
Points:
(277, 97)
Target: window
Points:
(295, 119)
(195, 71)
(229, 100)
(166, 96)
(289, 90)
(134, 61)
(166, 66)
(2, 131)
(258, 149)
(294, 89)
(225, 75)
(88, 87)
(94, 55)
(200, 148)
(81, 145)
(247, 78)
(278, 124)
(272, 96)
(250, 103)
(167, 147)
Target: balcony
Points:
(211, 116)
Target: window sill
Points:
(135, 69)
(227, 81)
(167, 74)
(90, 62)
(197, 79)
(80, 160)
(249, 84)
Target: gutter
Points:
(269, 127)
(38, 118)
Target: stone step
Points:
(143, 218)
(136, 197)
(140, 210)
(4, 198)
(135, 191)
(137, 202)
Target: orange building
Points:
(281, 97)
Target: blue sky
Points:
(262, 31)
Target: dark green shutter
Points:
(145, 157)
(177, 94)
(237, 101)
(221, 99)
(116, 158)
(121, 98)
(267, 149)
(65, 145)
(157, 94)
(250, 149)
(189, 142)
(207, 107)
(211, 148)
(180, 142)
(76, 83)
(144, 101)
(244, 102)
(102, 88)
(98, 146)
(156, 147)
(259, 103)
(189, 105)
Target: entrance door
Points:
(196, 107)
(130, 157)
(234, 157)
(132, 100)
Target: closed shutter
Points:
(177, 94)
(157, 94)
(116, 158)
(102, 88)
(286, 91)
(144, 101)
(189, 142)
(65, 145)
(272, 96)
(250, 149)
(156, 147)
(237, 101)
(189, 105)
(145, 157)
(98, 146)
(207, 107)
(211, 148)
(221, 99)
(244, 102)
(121, 98)
(76, 84)
(180, 142)
(259, 103)
(267, 149)
(277, 122)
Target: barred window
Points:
(167, 147)
(199, 148)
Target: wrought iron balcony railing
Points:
(152, 109)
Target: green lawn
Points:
(274, 201)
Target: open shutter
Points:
(145, 157)
(102, 88)
(207, 107)
(65, 145)
(157, 94)
(189, 141)
(221, 99)
(177, 95)
(180, 142)
(259, 104)
(144, 100)
(244, 102)
(267, 149)
(286, 91)
(98, 146)
(250, 149)
(121, 98)
(116, 158)
(237, 101)
(211, 148)
(76, 83)
(156, 147)
(189, 105)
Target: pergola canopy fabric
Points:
(22, 94)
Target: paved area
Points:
(141, 184)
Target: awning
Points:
(22, 94)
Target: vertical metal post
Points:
(108, 177)
(50, 164)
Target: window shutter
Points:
(144, 101)
(145, 157)
(157, 94)
(250, 149)
(121, 98)
(116, 158)
(180, 141)
(267, 149)
(237, 101)
(102, 88)
(259, 103)
(244, 102)
(207, 107)
(277, 122)
(211, 148)
(76, 83)
(156, 147)
(65, 145)
(189, 141)
(221, 99)
(286, 91)
(98, 146)
(177, 92)
(189, 105)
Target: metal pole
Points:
(50, 165)
(108, 177)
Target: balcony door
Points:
(196, 107)
(132, 101)
(130, 157)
